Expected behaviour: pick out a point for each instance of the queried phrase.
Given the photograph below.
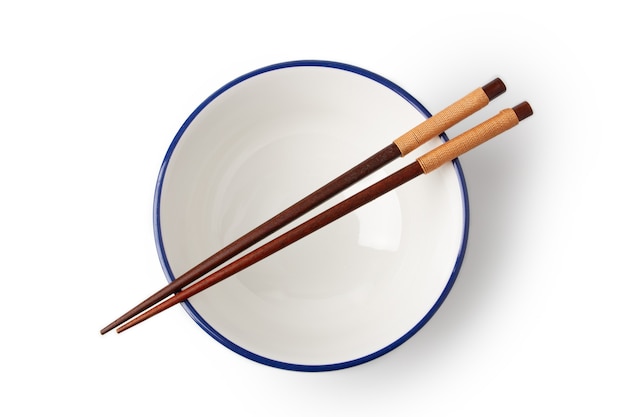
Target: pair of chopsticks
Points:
(430, 128)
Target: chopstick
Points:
(430, 128)
(426, 163)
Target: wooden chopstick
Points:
(428, 162)
(430, 128)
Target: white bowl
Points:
(351, 291)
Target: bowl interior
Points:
(352, 289)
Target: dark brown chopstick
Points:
(428, 162)
(430, 128)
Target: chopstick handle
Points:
(488, 129)
(448, 117)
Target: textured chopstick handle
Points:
(448, 117)
(488, 129)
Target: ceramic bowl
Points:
(348, 293)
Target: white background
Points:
(92, 93)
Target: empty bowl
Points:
(351, 291)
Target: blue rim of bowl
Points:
(251, 355)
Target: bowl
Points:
(348, 293)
